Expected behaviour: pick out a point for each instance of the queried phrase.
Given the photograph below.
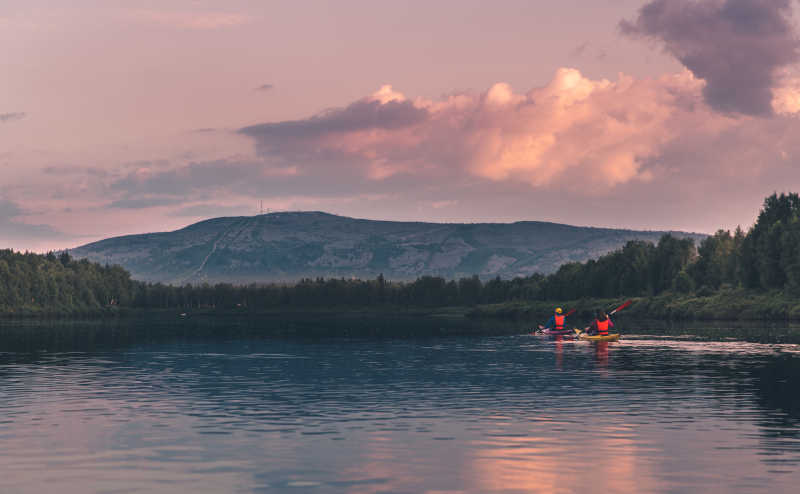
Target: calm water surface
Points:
(136, 409)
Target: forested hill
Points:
(293, 245)
(753, 274)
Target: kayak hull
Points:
(610, 337)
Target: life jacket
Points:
(559, 321)
(602, 327)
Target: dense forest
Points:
(766, 257)
(35, 282)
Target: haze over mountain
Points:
(288, 246)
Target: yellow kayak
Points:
(610, 337)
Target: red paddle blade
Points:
(626, 304)
(570, 312)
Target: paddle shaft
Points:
(626, 304)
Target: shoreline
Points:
(724, 305)
(133, 313)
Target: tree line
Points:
(60, 283)
(766, 257)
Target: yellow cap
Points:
(558, 310)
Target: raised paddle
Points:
(626, 304)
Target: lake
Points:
(284, 406)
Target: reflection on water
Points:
(242, 408)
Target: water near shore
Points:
(135, 407)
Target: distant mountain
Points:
(289, 246)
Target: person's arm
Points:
(551, 323)
(610, 323)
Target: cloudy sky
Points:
(125, 117)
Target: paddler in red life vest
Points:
(558, 322)
(600, 325)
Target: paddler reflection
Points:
(601, 353)
(559, 351)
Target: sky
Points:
(120, 117)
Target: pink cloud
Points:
(443, 204)
(786, 97)
(574, 126)
(189, 19)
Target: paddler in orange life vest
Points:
(600, 325)
(558, 322)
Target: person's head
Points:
(558, 310)
(601, 315)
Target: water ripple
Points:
(464, 414)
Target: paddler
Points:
(558, 321)
(601, 324)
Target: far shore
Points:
(723, 305)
